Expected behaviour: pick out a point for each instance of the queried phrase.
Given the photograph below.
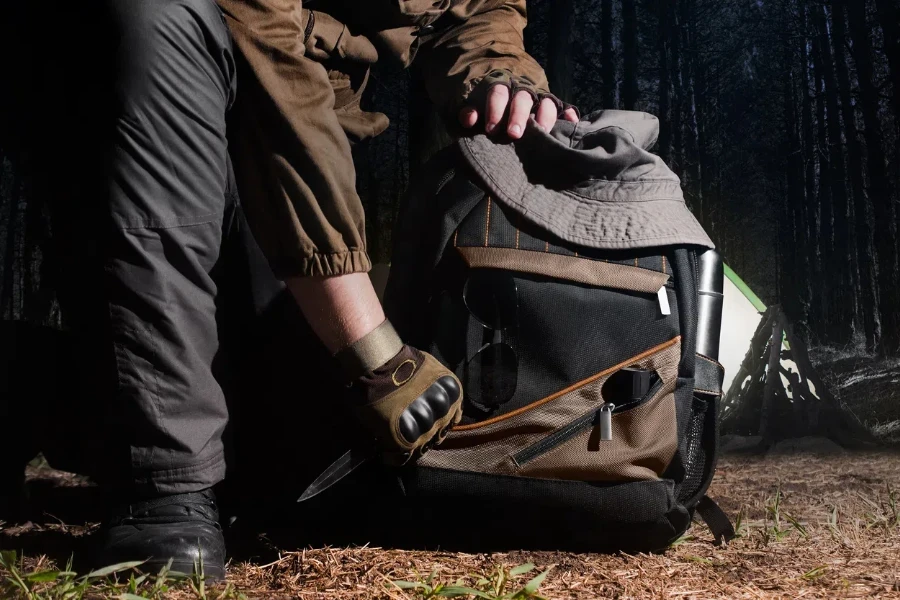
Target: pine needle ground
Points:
(810, 526)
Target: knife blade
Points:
(346, 464)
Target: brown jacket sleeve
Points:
(471, 39)
(292, 159)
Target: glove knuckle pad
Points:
(451, 385)
(433, 404)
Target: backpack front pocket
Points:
(560, 436)
(641, 443)
(602, 419)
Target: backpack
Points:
(559, 276)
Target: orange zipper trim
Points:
(572, 387)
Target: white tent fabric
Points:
(740, 319)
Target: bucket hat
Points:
(593, 183)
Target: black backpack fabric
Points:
(558, 277)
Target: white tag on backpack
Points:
(663, 301)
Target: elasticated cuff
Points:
(324, 265)
(193, 478)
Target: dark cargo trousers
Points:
(144, 221)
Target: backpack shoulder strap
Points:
(716, 519)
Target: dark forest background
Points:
(782, 117)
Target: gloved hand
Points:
(409, 404)
(500, 88)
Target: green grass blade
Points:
(8, 558)
(521, 569)
(130, 597)
(43, 576)
(459, 591)
(106, 571)
(533, 585)
(816, 572)
(413, 585)
(685, 537)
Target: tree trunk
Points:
(665, 123)
(559, 52)
(630, 91)
(826, 221)
(793, 267)
(879, 186)
(38, 286)
(692, 108)
(868, 305)
(810, 205)
(678, 96)
(889, 17)
(841, 298)
(608, 57)
(7, 288)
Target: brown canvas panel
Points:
(570, 268)
(635, 360)
(642, 451)
(643, 443)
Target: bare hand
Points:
(495, 108)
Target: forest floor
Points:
(810, 525)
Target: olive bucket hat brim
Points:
(593, 183)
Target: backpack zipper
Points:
(604, 413)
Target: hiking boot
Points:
(181, 527)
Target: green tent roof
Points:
(745, 289)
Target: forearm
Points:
(295, 171)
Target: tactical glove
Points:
(409, 402)
(514, 84)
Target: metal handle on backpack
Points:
(709, 303)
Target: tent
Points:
(742, 311)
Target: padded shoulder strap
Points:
(716, 519)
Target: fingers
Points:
(468, 117)
(518, 114)
(498, 97)
(519, 110)
(546, 114)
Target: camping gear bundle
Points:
(560, 278)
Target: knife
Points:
(346, 464)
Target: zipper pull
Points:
(606, 421)
(663, 301)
